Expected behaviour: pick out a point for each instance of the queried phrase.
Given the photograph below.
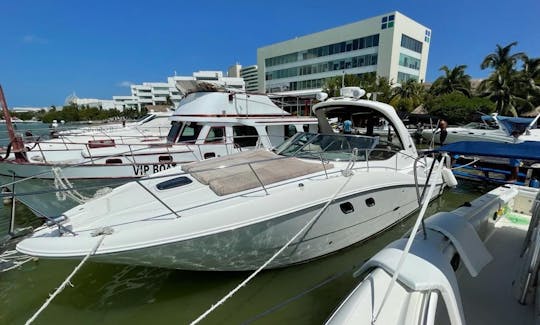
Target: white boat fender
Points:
(449, 177)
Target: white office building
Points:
(165, 93)
(250, 76)
(390, 45)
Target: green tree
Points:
(457, 108)
(333, 85)
(453, 80)
(407, 96)
(505, 83)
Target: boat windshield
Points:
(328, 146)
(480, 126)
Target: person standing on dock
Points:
(444, 133)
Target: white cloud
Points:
(33, 39)
(126, 84)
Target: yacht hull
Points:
(248, 247)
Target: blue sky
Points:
(50, 48)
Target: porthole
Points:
(370, 202)
(346, 207)
(165, 159)
(113, 161)
(174, 182)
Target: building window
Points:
(351, 62)
(409, 62)
(427, 36)
(404, 77)
(341, 47)
(411, 44)
(387, 22)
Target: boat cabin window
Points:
(190, 132)
(173, 132)
(216, 134)
(245, 136)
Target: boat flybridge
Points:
(207, 124)
(312, 195)
(493, 128)
(477, 264)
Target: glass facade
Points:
(336, 48)
(341, 64)
(411, 44)
(403, 77)
(409, 61)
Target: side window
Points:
(290, 130)
(245, 136)
(173, 132)
(216, 134)
(190, 132)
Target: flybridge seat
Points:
(229, 180)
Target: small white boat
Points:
(477, 264)
(493, 128)
(232, 213)
(205, 125)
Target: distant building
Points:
(234, 71)
(29, 109)
(390, 45)
(89, 102)
(249, 74)
(165, 93)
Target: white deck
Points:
(491, 298)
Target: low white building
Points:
(165, 93)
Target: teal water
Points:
(116, 294)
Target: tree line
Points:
(512, 88)
(75, 113)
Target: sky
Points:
(51, 48)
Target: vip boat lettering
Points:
(142, 169)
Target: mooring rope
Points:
(66, 281)
(249, 278)
(408, 244)
(13, 257)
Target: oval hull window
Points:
(346, 207)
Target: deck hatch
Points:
(175, 182)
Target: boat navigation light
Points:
(355, 92)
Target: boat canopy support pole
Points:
(13, 201)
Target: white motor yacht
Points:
(206, 124)
(493, 128)
(232, 213)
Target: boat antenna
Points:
(16, 142)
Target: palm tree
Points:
(502, 91)
(501, 60)
(453, 80)
(333, 85)
(407, 96)
(505, 84)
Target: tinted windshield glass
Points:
(327, 146)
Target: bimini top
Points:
(515, 125)
(529, 150)
(227, 104)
